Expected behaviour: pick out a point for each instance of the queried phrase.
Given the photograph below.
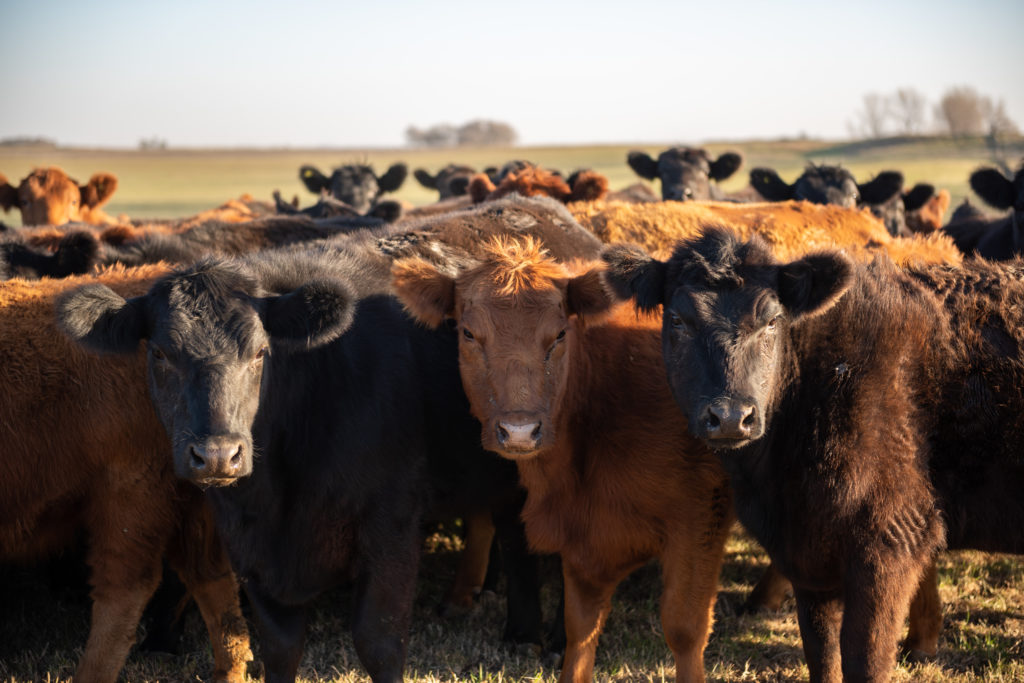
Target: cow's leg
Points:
(877, 598)
(522, 575)
(384, 593)
(473, 562)
(820, 618)
(922, 641)
(587, 603)
(217, 599)
(769, 593)
(198, 556)
(690, 568)
(116, 610)
(282, 631)
(126, 546)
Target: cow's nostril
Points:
(712, 421)
(748, 421)
(236, 459)
(502, 434)
(535, 434)
(196, 459)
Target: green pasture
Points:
(175, 183)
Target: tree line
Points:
(477, 133)
(961, 112)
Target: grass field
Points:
(176, 183)
(42, 634)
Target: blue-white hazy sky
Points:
(232, 73)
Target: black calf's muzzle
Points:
(217, 460)
(730, 422)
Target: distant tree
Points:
(440, 135)
(999, 128)
(481, 133)
(961, 111)
(28, 141)
(153, 143)
(870, 120)
(478, 133)
(906, 106)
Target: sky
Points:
(225, 73)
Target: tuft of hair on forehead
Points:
(514, 265)
(212, 280)
(716, 257)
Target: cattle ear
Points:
(316, 313)
(643, 164)
(393, 178)
(426, 293)
(98, 190)
(918, 196)
(633, 273)
(770, 186)
(882, 188)
(480, 186)
(992, 186)
(587, 294)
(725, 165)
(8, 194)
(101, 320)
(425, 179)
(814, 284)
(458, 186)
(313, 179)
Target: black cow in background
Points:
(827, 184)
(359, 417)
(997, 238)
(354, 184)
(686, 173)
(450, 181)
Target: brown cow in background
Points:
(48, 196)
(612, 477)
(82, 449)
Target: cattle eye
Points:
(676, 320)
(157, 353)
(773, 323)
(467, 334)
(561, 336)
(261, 353)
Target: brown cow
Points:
(80, 446)
(47, 196)
(534, 181)
(792, 229)
(612, 477)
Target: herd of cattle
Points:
(285, 398)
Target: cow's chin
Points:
(517, 454)
(727, 444)
(215, 482)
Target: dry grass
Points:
(42, 634)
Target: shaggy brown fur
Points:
(535, 181)
(792, 229)
(47, 196)
(80, 446)
(612, 477)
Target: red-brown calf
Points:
(613, 478)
